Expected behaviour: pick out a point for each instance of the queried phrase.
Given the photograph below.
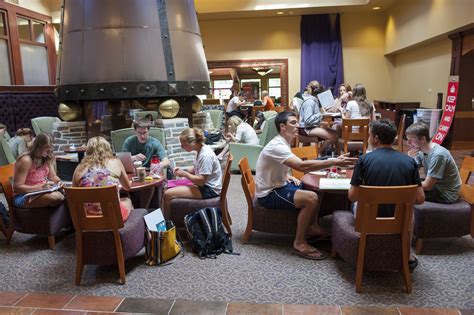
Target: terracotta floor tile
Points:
(94, 303)
(16, 310)
(140, 305)
(304, 309)
(10, 298)
(366, 310)
(43, 300)
(198, 307)
(427, 311)
(260, 309)
(57, 312)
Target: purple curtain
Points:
(321, 51)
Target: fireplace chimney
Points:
(130, 49)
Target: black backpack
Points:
(206, 233)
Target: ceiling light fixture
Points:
(263, 71)
(280, 12)
(376, 8)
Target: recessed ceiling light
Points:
(280, 12)
(376, 8)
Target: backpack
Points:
(206, 233)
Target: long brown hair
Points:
(360, 96)
(98, 152)
(41, 140)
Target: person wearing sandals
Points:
(206, 174)
(276, 189)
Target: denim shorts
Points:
(281, 198)
(19, 201)
(207, 192)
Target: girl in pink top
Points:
(34, 171)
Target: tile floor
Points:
(41, 303)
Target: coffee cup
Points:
(141, 173)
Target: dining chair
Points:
(431, 218)
(104, 239)
(259, 218)
(355, 135)
(398, 142)
(304, 153)
(179, 207)
(44, 124)
(373, 242)
(41, 221)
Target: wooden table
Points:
(340, 200)
(139, 185)
(79, 150)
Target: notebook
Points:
(126, 159)
(334, 183)
(326, 99)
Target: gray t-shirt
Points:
(17, 145)
(207, 164)
(151, 147)
(440, 164)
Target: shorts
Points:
(305, 131)
(207, 192)
(281, 198)
(19, 201)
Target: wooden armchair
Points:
(401, 129)
(304, 153)
(104, 239)
(374, 241)
(355, 134)
(6, 173)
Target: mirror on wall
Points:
(249, 76)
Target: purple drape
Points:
(321, 51)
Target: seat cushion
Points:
(383, 252)
(99, 248)
(273, 220)
(42, 221)
(433, 220)
(183, 206)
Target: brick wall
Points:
(66, 133)
(173, 127)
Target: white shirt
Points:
(232, 105)
(353, 107)
(271, 173)
(207, 164)
(246, 134)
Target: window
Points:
(221, 89)
(5, 62)
(274, 87)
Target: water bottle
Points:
(155, 165)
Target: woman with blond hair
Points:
(34, 171)
(239, 131)
(100, 168)
(205, 174)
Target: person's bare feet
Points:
(306, 251)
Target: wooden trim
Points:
(462, 145)
(27, 88)
(250, 63)
(464, 114)
(22, 11)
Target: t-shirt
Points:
(151, 147)
(353, 107)
(246, 134)
(232, 105)
(271, 173)
(207, 164)
(310, 114)
(385, 167)
(17, 145)
(269, 103)
(440, 164)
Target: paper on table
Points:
(335, 183)
(326, 99)
(322, 173)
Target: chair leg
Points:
(10, 232)
(51, 242)
(360, 262)
(419, 245)
(120, 258)
(226, 219)
(79, 261)
(333, 252)
(405, 258)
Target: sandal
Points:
(310, 254)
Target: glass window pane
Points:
(38, 30)
(5, 76)
(35, 64)
(3, 30)
(223, 84)
(274, 92)
(274, 82)
(23, 28)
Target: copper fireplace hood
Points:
(130, 49)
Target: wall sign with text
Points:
(449, 110)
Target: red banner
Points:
(449, 110)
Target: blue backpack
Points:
(206, 233)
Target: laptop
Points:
(126, 159)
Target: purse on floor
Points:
(162, 246)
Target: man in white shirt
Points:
(276, 189)
(235, 103)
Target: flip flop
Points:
(309, 254)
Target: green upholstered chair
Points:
(217, 117)
(143, 113)
(251, 152)
(119, 136)
(43, 124)
(6, 155)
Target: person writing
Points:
(205, 174)
(239, 131)
(34, 171)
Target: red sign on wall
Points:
(449, 110)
